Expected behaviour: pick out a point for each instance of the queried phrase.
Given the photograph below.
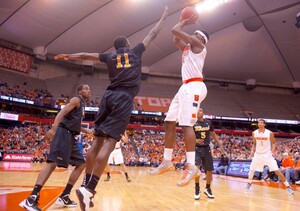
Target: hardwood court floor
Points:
(145, 192)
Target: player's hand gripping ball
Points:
(189, 14)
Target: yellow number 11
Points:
(119, 64)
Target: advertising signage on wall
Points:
(8, 116)
(239, 168)
(18, 100)
(17, 157)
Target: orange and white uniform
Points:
(184, 106)
(263, 154)
(116, 156)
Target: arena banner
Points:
(14, 60)
(23, 118)
(144, 103)
(216, 163)
(8, 116)
(239, 168)
(15, 99)
(17, 157)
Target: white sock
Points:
(286, 184)
(250, 177)
(168, 154)
(190, 157)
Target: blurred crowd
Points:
(150, 145)
(39, 96)
(27, 139)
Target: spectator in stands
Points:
(265, 174)
(264, 146)
(297, 167)
(124, 67)
(25, 139)
(287, 167)
(39, 96)
(177, 161)
(63, 150)
(223, 165)
(183, 108)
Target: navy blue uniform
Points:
(64, 149)
(115, 108)
(203, 151)
(72, 121)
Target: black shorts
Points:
(64, 149)
(114, 114)
(204, 158)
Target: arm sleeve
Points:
(103, 57)
(139, 49)
(211, 127)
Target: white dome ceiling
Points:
(249, 39)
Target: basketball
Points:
(187, 13)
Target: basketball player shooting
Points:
(185, 104)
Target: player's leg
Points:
(170, 138)
(120, 105)
(283, 179)
(271, 162)
(101, 162)
(119, 160)
(209, 167)
(124, 169)
(64, 199)
(58, 149)
(97, 142)
(107, 170)
(197, 179)
(198, 163)
(197, 189)
(76, 159)
(111, 160)
(256, 163)
(274, 167)
(190, 97)
(91, 157)
(31, 202)
(84, 194)
(191, 170)
(45, 173)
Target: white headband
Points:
(202, 34)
